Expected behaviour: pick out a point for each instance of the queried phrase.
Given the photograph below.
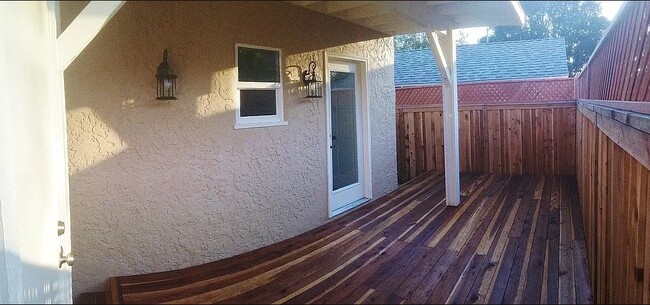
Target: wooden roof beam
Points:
(83, 29)
(443, 47)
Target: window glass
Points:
(256, 102)
(256, 65)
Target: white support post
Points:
(83, 29)
(443, 47)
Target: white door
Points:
(346, 157)
(33, 160)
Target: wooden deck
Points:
(514, 239)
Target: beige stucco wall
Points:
(162, 185)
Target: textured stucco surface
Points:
(156, 186)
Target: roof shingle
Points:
(524, 59)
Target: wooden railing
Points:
(613, 149)
(503, 138)
(619, 68)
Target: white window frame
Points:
(261, 120)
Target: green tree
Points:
(419, 41)
(579, 22)
(410, 42)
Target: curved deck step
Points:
(406, 246)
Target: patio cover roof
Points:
(403, 17)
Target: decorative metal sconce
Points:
(314, 86)
(166, 80)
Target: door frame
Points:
(362, 71)
(60, 161)
(28, 265)
(26, 273)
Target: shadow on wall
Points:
(159, 185)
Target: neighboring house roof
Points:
(524, 59)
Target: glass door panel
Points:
(345, 167)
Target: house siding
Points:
(158, 185)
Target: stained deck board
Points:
(507, 242)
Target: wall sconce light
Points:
(314, 86)
(166, 80)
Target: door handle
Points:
(61, 228)
(65, 259)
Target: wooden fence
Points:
(529, 138)
(613, 149)
(619, 68)
(613, 152)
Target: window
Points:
(259, 87)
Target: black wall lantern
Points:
(166, 80)
(314, 86)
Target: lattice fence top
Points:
(496, 92)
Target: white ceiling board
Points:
(359, 12)
(420, 16)
(455, 8)
(330, 7)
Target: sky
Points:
(609, 9)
